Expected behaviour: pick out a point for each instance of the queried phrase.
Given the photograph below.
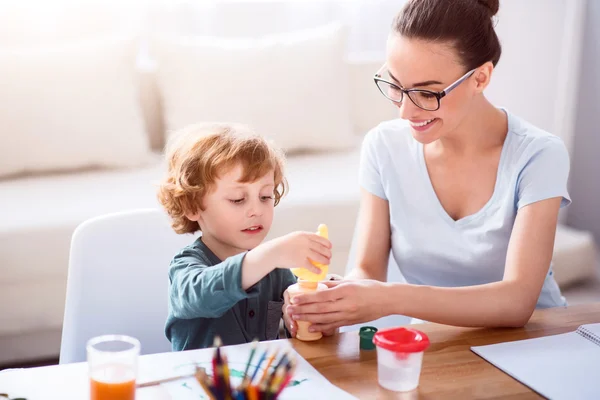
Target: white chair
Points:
(118, 281)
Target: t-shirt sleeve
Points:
(545, 175)
(370, 167)
(199, 290)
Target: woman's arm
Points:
(373, 249)
(507, 303)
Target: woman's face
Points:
(419, 64)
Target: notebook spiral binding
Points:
(588, 335)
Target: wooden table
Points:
(450, 369)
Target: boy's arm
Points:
(201, 291)
(255, 266)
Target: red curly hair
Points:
(198, 154)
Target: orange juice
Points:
(112, 382)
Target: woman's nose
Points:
(407, 109)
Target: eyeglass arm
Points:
(380, 70)
(458, 82)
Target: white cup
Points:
(399, 358)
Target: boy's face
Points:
(237, 216)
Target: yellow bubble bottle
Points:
(309, 282)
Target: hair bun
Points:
(492, 6)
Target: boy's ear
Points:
(192, 209)
(195, 216)
(192, 212)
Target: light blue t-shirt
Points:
(430, 247)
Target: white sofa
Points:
(39, 212)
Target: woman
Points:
(466, 199)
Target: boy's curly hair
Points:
(196, 156)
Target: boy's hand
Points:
(296, 250)
(287, 318)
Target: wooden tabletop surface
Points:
(450, 369)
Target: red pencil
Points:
(284, 384)
(290, 370)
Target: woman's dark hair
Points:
(466, 24)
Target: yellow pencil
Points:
(291, 369)
(279, 375)
(202, 379)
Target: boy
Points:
(225, 180)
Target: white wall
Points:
(536, 77)
(540, 52)
(584, 213)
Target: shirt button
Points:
(251, 313)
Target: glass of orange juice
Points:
(112, 362)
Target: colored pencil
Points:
(260, 361)
(202, 379)
(254, 346)
(266, 372)
(275, 378)
(226, 380)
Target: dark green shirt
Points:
(206, 299)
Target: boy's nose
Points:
(254, 210)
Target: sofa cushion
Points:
(70, 106)
(575, 256)
(44, 210)
(265, 82)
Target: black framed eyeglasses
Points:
(427, 100)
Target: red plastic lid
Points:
(402, 340)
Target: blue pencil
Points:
(260, 361)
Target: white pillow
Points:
(70, 106)
(291, 87)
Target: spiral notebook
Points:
(565, 366)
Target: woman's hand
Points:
(290, 323)
(344, 303)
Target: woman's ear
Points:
(483, 75)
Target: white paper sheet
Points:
(307, 382)
(564, 366)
